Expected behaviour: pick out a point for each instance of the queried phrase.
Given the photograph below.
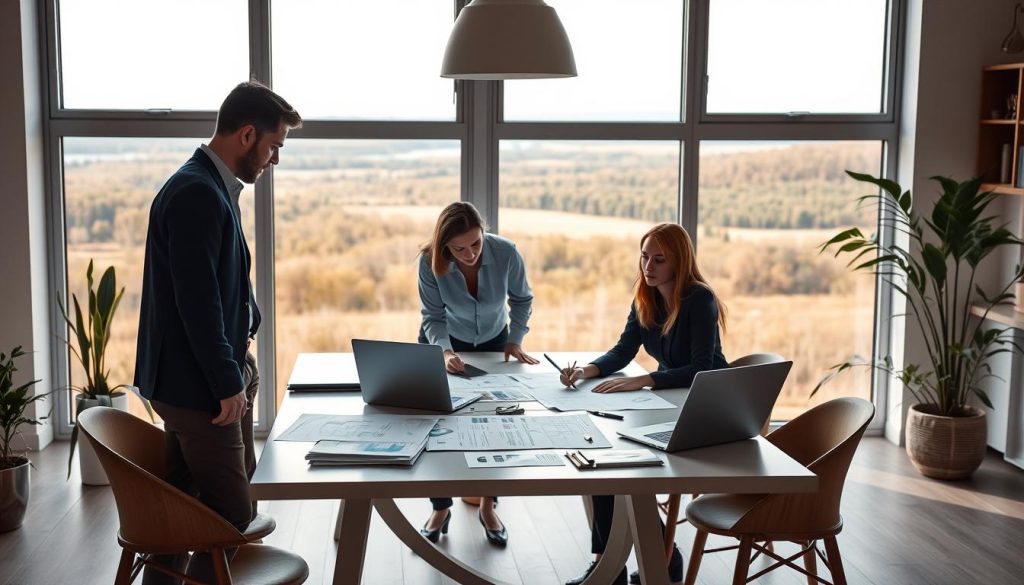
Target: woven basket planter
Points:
(946, 447)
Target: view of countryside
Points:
(349, 216)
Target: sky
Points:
(380, 59)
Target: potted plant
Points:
(88, 343)
(14, 466)
(945, 435)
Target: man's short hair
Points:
(254, 103)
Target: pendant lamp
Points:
(508, 39)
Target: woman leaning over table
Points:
(676, 318)
(474, 296)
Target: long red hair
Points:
(677, 247)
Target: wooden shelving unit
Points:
(1003, 315)
(1001, 126)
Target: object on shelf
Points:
(1014, 41)
(1006, 164)
(1020, 162)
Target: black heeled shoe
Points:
(619, 580)
(435, 535)
(675, 570)
(496, 537)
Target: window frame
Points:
(479, 126)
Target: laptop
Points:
(724, 405)
(323, 372)
(407, 375)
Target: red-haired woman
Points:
(676, 318)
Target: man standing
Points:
(199, 314)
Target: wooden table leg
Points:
(650, 545)
(353, 529)
(434, 556)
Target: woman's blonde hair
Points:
(456, 219)
(677, 247)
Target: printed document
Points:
(514, 459)
(378, 428)
(500, 433)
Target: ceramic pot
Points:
(14, 491)
(88, 463)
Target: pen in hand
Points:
(571, 368)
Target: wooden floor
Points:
(900, 529)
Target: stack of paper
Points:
(332, 452)
(368, 439)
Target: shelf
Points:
(1005, 67)
(1003, 314)
(1001, 188)
(999, 121)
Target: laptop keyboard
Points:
(663, 436)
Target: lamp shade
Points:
(508, 39)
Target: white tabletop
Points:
(752, 466)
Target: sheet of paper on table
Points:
(486, 459)
(381, 428)
(500, 433)
(550, 392)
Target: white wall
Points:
(24, 301)
(947, 44)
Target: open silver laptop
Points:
(408, 375)
(724, 405)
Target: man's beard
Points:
(249, 168)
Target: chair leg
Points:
(221, 573)
(835, 562)
(671, 516)
(124, 568)
(739, 576)
(811, 562)
(698, 552)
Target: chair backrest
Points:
(824, 439)
(758, 359)
(154, 515)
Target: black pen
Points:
(606, 415)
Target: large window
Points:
(682, 111)
(146, 54)
(576, 211)
(796, 56)
(765, 210)
(108, 186)
(349, 216)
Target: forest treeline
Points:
(797, 187)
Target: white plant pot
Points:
(88, 463)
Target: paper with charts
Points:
(514, 459)
(380, 428)
(502, 433)
(552, 394)
(493, 387)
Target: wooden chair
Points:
(823, 439)
(671, 506)
(158, 519)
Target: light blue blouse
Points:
(503, 297)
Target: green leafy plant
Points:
(13, 403)
(91, 332)
(939, 287)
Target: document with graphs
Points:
(515, 432)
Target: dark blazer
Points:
(196, 293)
(692, 345)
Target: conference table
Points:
(750, 466)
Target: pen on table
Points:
(552, 362)
(606, 414)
